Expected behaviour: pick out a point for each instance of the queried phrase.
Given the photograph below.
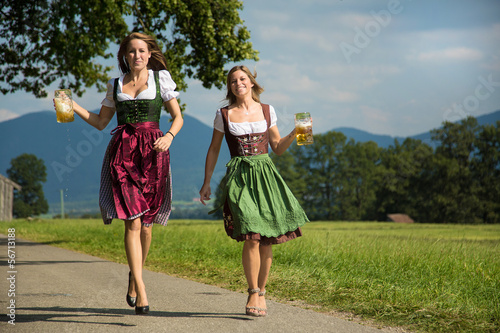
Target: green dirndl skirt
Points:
(257, 202)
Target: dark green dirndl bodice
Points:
(139, 110)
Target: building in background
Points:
(7, 187)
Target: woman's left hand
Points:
(162, 144)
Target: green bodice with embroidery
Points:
(139, 110)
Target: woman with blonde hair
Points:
(258, 207)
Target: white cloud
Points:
(7, 115)
(278, 98)
(291, 36)
(348, 84)
(342, 71)
(458, 54)
(337, 95)
(424, 59)
(373, 114)
(268, 17)
(492, 63)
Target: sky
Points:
(393, 67)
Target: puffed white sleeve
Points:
(108, 100)
(167, 86)
(218, 122)
(274, 118)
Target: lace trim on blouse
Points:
(246, 127)
(167, 89)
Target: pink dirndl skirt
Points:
(135, 179)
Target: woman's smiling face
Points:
(241, 84)
(138, 54)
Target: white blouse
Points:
(245, 127)
(167, 89)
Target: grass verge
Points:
(423, 277)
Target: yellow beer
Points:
(64, 106)
(303, 127)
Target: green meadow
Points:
(422, 277)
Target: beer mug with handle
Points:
(303, 125)
(64, 106)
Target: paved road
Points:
(58, 290)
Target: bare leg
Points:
(251, 266)
(133, 250)
(146, 236)
(266, 259)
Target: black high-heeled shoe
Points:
(142, 310)
(130, 300)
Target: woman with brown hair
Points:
(135, 176)
(258, 207)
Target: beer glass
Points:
(64, 106)
(303, 126)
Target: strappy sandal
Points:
(263, 310)
(256, 309)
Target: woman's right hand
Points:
(205, 193)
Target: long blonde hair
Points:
(256, 89)
(156, 62)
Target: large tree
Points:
(310, 171)
(359, 175)
(456, 190)
(44, 41)
(486, 171)
(29, 172)
(405, 187)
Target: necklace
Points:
(134, 83)
(243, 109)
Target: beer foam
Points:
(62, 106)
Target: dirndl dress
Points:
(136, 179)
(257, 204)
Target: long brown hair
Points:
(256, 89)
(156, 62)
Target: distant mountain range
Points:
(73, 153)
(387, 140)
